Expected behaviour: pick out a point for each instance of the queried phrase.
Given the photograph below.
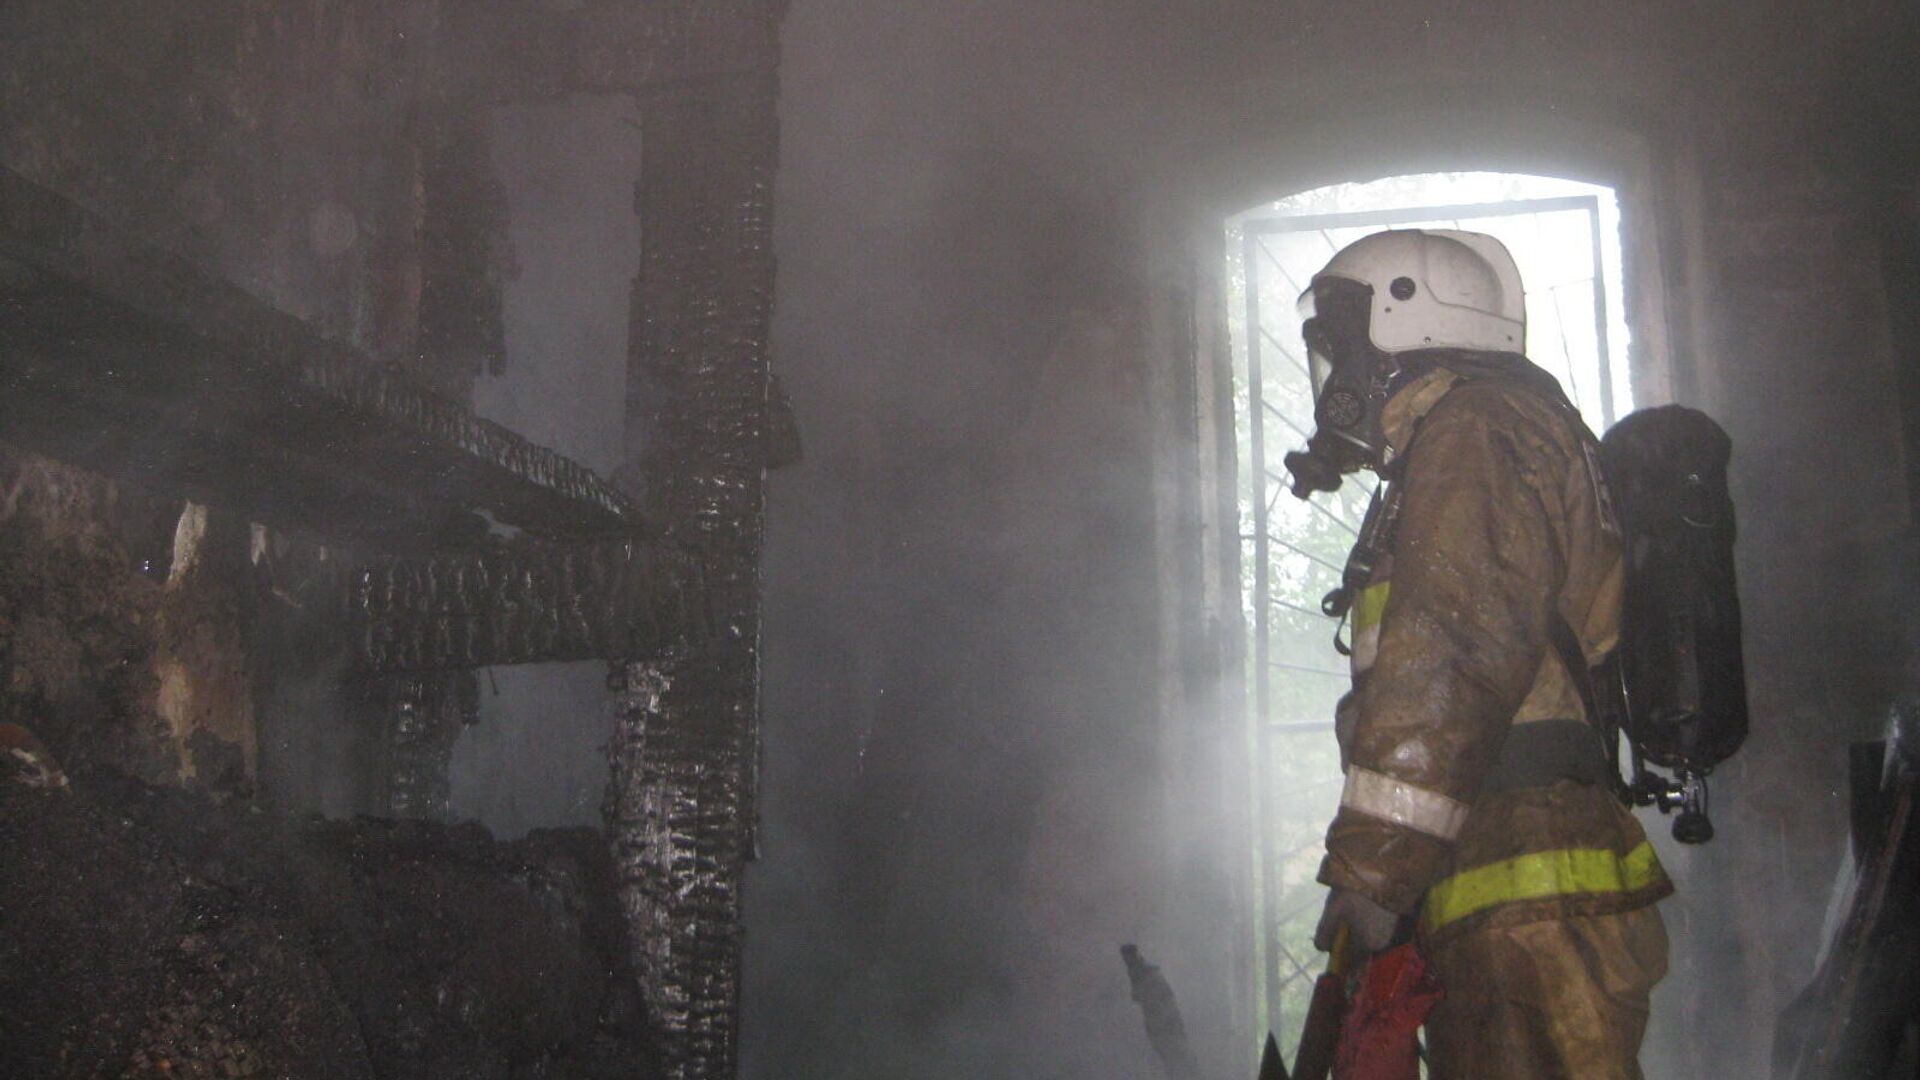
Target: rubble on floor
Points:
(149, 931)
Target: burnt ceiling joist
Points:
(128, 359)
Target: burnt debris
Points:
(151, 932)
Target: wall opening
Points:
(567, 167)
(567, 171)
(1565, 235)
(538, 757)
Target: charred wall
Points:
(332, 159)
(80, 621)
(311, 152)
(306, 154)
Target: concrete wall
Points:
(1798, 360)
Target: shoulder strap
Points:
(1574, 659)
(1376, 529)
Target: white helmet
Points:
(1435, 289)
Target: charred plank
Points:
(528, 602)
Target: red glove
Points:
(1380, 1039)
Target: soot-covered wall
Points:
(333, 161)
(304, 155)
(996, 618)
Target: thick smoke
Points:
(966, 794)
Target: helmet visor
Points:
(1334, 313)
(1320, 354)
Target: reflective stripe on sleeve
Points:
(1383, 797)
(1368, 609)
(1371, 605)
(1366, 648)
(1543, 874)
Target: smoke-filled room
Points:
(853, 540)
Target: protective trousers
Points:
(1558, 999)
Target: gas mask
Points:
(1352, 380)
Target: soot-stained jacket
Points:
(1503, 519)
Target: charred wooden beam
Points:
(127, 359)
(680, 805)
(526, 603)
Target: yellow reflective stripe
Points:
(1543, 874)
(1371, 606)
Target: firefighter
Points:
(1478, 807)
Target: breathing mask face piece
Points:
(1351, 379)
